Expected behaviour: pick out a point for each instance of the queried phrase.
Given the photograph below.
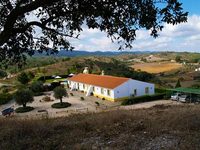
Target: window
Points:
(83, 86)
(102, 91)
(135, 92)
(147, 90)
(108, 92)
(78, 85)
(93, 89)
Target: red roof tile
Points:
(105, 81)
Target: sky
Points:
(182, 37)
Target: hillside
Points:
(161, 127)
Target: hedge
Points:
(61, 105)
(5, 98)
(141, 99)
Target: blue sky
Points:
(182, 37)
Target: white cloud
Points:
(181, 37)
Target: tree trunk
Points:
(24, 105)
(61, 100)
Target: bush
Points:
(3, 74)
(71, 94)
(103, 98)
(5, 98)
(140, 99)
(97, 103)
(47, 99)
(37, 88)
(82, 98)
(61, 105)
(23, 109)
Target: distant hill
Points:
(76, 53)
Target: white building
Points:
(110, 87)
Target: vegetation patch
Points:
(5, 98)
(61, 105)
(24, 109)
(141, 99)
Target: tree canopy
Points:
(24, 96)
(27, 26)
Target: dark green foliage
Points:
(196, 86)
(37, 87)
(178, 58)
(22, 97)
(23, 78)
(30, 75)
(97, 103)
(61, 105)
(59, 93)
(178, 84)
(5, 98)
(82, 98)
(160, 90)
(141, 99)
(3, 74)
(59, 19)
(71, 94)
(24, 109)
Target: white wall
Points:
(97, 89)
(127, 88)
(124, 90)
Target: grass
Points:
(161, 127)
(57, 80)
(157, 67)
(23, 109)
(61, 105)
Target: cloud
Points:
(181, 37)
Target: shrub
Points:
(37, 88)
(97, 103)
(140, 99)
(5, 98)
(103, 98)
(3, 74)
(61, 105)
(82, 98)
(23, 109)
(23, 78)
(47, 99)
(71, 94)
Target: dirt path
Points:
(150, 104)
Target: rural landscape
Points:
(99, 75)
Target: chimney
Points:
(102, 73)
(86, 71)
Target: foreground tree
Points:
(45, 25)
(22, 97)
(59, 93)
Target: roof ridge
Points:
(106, 76)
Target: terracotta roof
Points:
(105, 81)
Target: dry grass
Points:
(157, 67)
(161, 127)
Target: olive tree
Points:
(22, 97)
(59, 93)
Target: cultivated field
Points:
(157, 67)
